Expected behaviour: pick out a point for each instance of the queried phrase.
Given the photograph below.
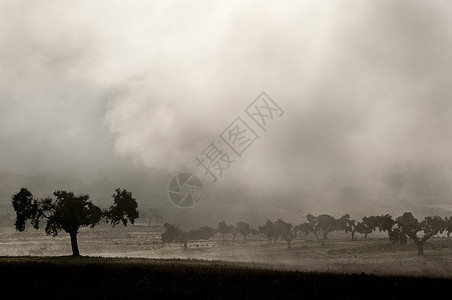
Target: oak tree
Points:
(69, 212)
(287, 231)
(430, 226)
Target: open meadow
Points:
(339, 254)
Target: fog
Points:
(110, 94)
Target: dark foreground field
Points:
(112, 278)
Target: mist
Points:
(105, 95)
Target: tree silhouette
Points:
(69, 212)
(175, 234)
(286, 231)
(411, 226)
(224, 229)
(448, 221)
(347, 225)
(386, 223)
(153, 214)
(124, 208)
(183, 239)
(362, 228)
(307, 227)
(203, 233)
(243, 228)
(371, 222)
(269, 230)
(171, 233)
(322, 224)
(325, 224)
(310, 226)
(397, 235)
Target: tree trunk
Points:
(353, 236)
(420, 247)
(150, 221)
(323, 236)
(289, 244)
(448, 234)
(365, 236)
(74, 244)
(185, 246)
(420, 250)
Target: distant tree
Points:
(310, 226)
(322, 224)
(397, 235)
(371, 222)
(286, 231)
(386, 223)
(171, 233)
(174, 234)
(269, 231)
(203, 233)
(306, 228)
(362, 228)
(233, 231)
(448, 221)
(347, 225)
(153, 214)
(430, 226)
(183, 239)
(326, 224)
(69, 212)
(123, 210)
(395, 232)
(224, 229)
(243, 228)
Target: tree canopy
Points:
(269, 230)
(224, 229)
(69, 212)
(287, 231)
(430, 226)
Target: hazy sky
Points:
(89, 90)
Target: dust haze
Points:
(110, 94)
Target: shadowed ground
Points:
(112, 278)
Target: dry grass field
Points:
(339, 254)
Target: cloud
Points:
(87, 88)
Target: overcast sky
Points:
(91, 89)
